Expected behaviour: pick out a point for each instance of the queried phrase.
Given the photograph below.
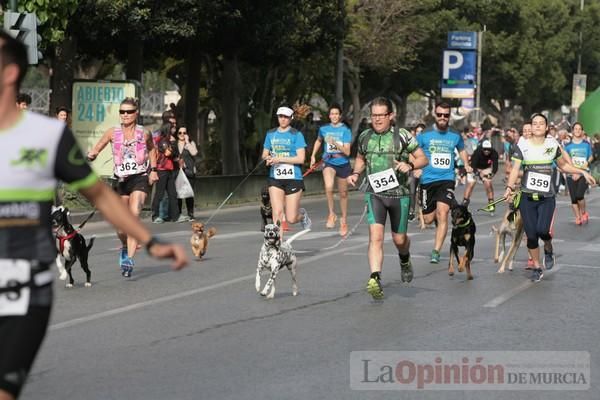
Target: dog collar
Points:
(465, 224)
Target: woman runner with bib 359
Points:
(538, 200)
(284, 151)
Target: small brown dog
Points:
(199, 239)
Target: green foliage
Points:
(54, 16)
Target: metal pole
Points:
(478, 87)
(339, 70)
(12, 5)
(576, 111)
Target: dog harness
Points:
(130, 157)
(63, 239)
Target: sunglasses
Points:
(182, 133)
(442, 115)
(127, 111)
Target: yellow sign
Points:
(95, 110)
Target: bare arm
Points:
(100, 145)
(359, 166)
(316, 147)
(297, 159)
(465, 158)
(153, 176)
(191, 147)
(115, 212)
(564, 163)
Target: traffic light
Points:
(23, 26)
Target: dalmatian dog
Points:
(275, 255)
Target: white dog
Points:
(275, 255)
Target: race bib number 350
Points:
(13, 273)
(440, 160)
(384, 180)
(284, 171)
(538, 182)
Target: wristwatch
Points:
(153, 240)
(153, 169)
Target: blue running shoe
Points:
(537, 275)
(549, 261)
(122, 255)
(127, 267)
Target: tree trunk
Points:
(192, 89)
(61, 81)
(135, 58)
(354, 89)
(202, 132)
(230, 118)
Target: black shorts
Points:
(289, 186)
(132, 183)
(341, 171)
(431, 193)
(577, 188)
(20, 340)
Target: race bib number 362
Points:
(383, 180)
(14, 273)
(284, 171)
(440, 160)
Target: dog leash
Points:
(86, 219)
(314, 168)
(500, 200)
(233, 191)
(350, 232)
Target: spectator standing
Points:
(187, 165)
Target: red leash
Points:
(314, 168)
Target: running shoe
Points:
(305, 222)
(466, 202)
(183, 218)
(435, 257)
(122, 255)
(284, 226)
(406, 271)
(577, 221)
(530, 263)
(585, 217)
(374, 288)
(549, 261)
(343, 229)
(158, 220)
(411, 216)
(127, 267)
(331, 219)
(537, 275)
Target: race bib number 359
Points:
(440, 160)
(13, 273)
(284, 171)
(538, 182)
(384, 180)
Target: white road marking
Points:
(504, 297)
(164, 299)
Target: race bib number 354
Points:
(440, 160)
(13, 273)
(284, 171)
(384, 180)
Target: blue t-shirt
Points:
(285, 144)
(331, 154)
(439, 148)
(580, 154)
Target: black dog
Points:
(71, 246)
(463, 234)
(266, 212)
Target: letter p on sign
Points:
(452, 60)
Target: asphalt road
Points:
(204, 333)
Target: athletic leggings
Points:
(577, 189)
(538, 216)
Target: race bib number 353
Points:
(13, 273)
(440, 160)
(384, 180)
(284, 171)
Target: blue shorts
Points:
(341, 171)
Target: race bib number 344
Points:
(284, 171)
(384, 180)
(440, 160)
(13, 273)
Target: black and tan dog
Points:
(463, 235)
(511, 225)
(71, 246)
(266, 211)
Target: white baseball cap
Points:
(486, 144)
(288, 112)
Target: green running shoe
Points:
(374, 288)
(435, 257)
(406, 272)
